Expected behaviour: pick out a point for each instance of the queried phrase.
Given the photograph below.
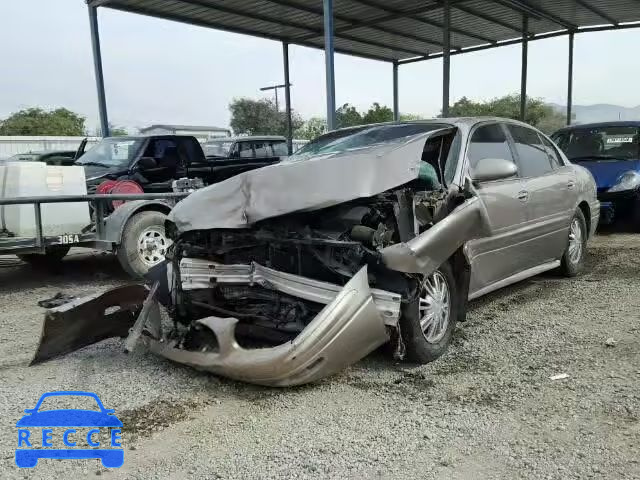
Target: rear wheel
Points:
(572, 261)
(144, 243)
(52, 257)
(427, 322)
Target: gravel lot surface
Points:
(487, 409)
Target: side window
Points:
(246, 149)
(488, 141)
(157, 148)
(534, 159)
(280, 149)
(262, 149)
(556, 161)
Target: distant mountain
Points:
(601, 112)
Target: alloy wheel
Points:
(575, 241)
(434, 307)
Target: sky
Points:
(158, 71)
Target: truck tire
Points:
(143, 244)
(51, 258)
(427, 322)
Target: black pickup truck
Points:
(154, 162)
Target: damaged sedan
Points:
(286, 274)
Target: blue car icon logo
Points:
(66, 421)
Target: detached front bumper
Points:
(353, 323)
(347, 329)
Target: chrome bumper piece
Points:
(198, 274)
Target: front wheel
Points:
(144, 243)
(428, 321)
(572, 261)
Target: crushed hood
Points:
(294, 185)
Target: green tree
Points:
(113, 131)
(312, 128)
(407, 117)
(260, 117)
(117, 131)
(538, 113)
(378, 114)
(36, 121)
(347, 116)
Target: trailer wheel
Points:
(53, 256)
(144, 243)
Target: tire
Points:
(572, 261)
(143, 243)
(51, 258)
(426, 347)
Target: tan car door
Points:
(551, 194)
(504, 253)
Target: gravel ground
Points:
(487, 409)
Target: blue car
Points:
(69, 418)
(611, 152)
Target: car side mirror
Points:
(147, 163)
(490, 169)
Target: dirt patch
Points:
(157, 415)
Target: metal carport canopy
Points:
(396, 31)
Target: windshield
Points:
(218, 148)
(599, 143)
(112, 152)
(360, 137)
(323, 140)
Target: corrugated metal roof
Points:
(393, 30)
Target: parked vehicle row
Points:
(285, 274)
(135, 165)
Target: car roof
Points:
(616, 123)
(454, 121)
(248, 138)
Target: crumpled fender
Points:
(345, 330)
(426, 252)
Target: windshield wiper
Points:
(595, 157)
(96, 164)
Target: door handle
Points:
(571, 184)
(523, 195)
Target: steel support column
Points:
(570, 80)
(446, 60)
(523, 74)
(97, 66)
(396, 105)
(329, 67)
(287, 96)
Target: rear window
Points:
(533, 157)
(600, 143)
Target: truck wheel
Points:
(427, 323)
(52, 257)
(143, 244)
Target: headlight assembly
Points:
(627, 181)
